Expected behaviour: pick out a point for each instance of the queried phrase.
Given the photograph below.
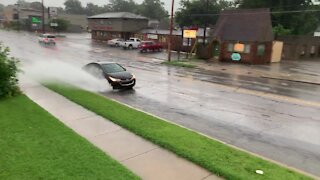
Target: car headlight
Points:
(114, 79)
(133, 76)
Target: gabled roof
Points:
(116, 15)
(244, 25)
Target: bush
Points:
(8, 74)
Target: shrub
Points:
(8, 74)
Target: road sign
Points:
(53, 11)
(190, 34)
(35, 20)
(53, 24)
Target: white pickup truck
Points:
(130, 43)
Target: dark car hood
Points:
(121, 75)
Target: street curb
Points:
(212, 138)
(292, 80)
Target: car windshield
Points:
(50, 36)
(112, 68)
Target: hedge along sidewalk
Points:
(35, 145)
(217, 157)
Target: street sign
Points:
(35, 20)
(190, 34)
(54, 24)
(235, 57)
(53, 11)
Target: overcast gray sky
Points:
(59, 3)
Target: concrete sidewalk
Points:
(143, 158)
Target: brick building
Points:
(116, 25)
(246, 33)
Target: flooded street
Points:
(235, 108)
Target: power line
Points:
(255, 13)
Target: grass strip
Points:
(35, 145)
(218, 158)
(179, 64)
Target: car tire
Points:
(130, 46)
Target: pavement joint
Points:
(141, 154)
(109, 132)
(210, 174)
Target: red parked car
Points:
(146, 46)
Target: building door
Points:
(216, 49)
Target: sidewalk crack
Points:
(139, 154)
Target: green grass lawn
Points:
(210, 154)
(179, 64)
(35, 145)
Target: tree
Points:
(63, 25)
(194, 12)
(123, 6)
(298, 23)
(73, 7)
(153, 9)
(8, 74)
(36, 5)
(92, 9)
(1, 7)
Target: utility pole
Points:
(18, 15)
(171, 29)
(205, 23)
(43, 25)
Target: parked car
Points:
(47, 39)
(115, 42)
(131, 43)
(146, 46)
(117, 76)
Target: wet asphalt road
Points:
(274, 128)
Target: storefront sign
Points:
(54, 24)
(235, 57)
(152, 36)
(239, 47)
(190, 34)
(53, 11)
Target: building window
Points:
(230, 47)
(247, 48)
(313, 50)
(261, 49)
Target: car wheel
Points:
(130, 46)
(116, 45)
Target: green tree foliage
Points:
(280, 30)
(195, 12)
(74, 7)
(123, 6)
(153, 9)
(1, 7)
(8, 74)
(63, 25)
(93, 9)
(299, 23)
(36, 5)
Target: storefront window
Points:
(247, 48)
(230, 47)
(261, 49)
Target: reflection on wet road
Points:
(280, 130)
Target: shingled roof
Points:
(244, 25)
(116, 15)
